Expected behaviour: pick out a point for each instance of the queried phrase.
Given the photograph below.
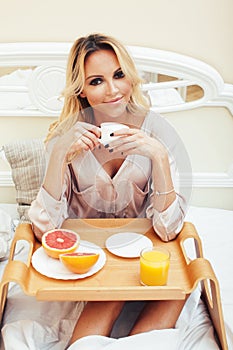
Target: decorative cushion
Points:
(27, 161)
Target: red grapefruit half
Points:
(60, 241)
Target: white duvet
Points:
(33, 325)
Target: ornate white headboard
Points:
(40, 77)
(32, 76)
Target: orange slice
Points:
(79, 262)
(60, 241)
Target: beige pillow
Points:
(27, 161)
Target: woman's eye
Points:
(96, 81)
(119, 75)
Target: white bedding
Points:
(29, 324)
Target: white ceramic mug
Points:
(107, 129)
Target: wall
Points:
(202, 29)
(208, 137)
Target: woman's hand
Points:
(135, 141)
(81, 137)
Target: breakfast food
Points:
(79, 262)
(60, 241)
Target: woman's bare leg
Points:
(98, 317)
(158, 315)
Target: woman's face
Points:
(106, 88)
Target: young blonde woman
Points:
(132, 176)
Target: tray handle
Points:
(23, 232)
(15, 270)
(189, 232)
(200, 270)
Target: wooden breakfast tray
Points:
(119, 278)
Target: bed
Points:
(32, 77)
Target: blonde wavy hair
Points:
(75, 78)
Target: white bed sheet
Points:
(30, 325)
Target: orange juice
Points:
(154, 266)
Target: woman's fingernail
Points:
(112, 134)
(107, 145)
(111, 150)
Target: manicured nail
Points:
(107, 145)
(122, 153)
(111, 150)
(112, 134)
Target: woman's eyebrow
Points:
(117, 70)
(94, 76)
(100, 75)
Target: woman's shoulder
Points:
(153, 121)
(49, 144)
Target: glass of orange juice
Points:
(154, 266)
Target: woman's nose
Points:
(112, 88)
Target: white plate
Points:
(127, 244)
(54, 268)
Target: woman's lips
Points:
(115, 100)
